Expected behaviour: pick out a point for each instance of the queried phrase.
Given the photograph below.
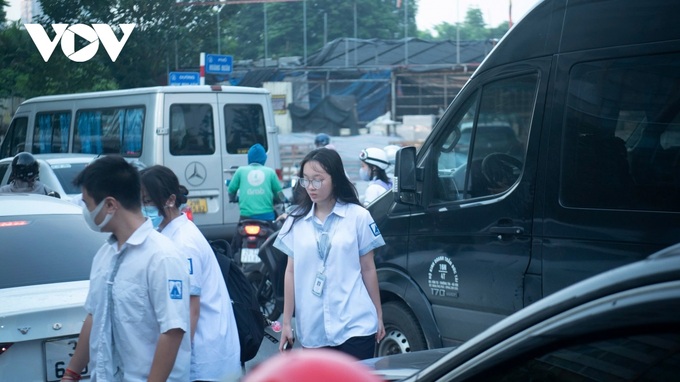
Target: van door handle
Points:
(506, 231)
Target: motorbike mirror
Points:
(252, 230)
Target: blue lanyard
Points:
(323, 239)
(109, 287)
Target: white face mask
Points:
(90, 216)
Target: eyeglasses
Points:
(316, 183)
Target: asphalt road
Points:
(268, 349)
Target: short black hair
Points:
(113, 176)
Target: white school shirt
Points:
(150, 296)
(216, 353)
(376, 188)
(344, 309)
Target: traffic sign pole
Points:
(202, 70)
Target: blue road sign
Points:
(218, 64)
(184, 78)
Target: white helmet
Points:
(375, 156)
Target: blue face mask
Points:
(363, 174)
(152, 213)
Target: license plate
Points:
(249, 255)
(198, 205)
(58, 353)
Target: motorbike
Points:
(251, 236)
(254, 235)
(269, 282)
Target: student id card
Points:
(319, 281)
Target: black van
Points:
(587, 179)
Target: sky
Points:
(430, 13)
(433, 12)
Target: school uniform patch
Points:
(374, 229)
(175, 289)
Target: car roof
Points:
(663, 266)
(18, 204)
(59, 158)
(66, 158)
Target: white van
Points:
(203, 133)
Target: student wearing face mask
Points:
(374, 162)
(215, 354)
(138, 301)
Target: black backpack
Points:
(249, 319)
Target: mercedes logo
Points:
(195, 173)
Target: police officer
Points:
(24, 177)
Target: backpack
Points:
(249, 319)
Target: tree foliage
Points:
(167, 34)
(3, 13)
(170, 34)
(243, 26)
(472, 28)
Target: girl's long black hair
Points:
(379, 173)
(343, 189)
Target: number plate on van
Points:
(198, 205)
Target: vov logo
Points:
(67, 35)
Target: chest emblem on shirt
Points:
(374, 229)
(256, 177)
(175, 289)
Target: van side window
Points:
(621, 138)
(109, 131)
(15, 138)
(244, 126)
(192, 131)
(483, 154)
(51, 132)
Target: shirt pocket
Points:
(130, 301)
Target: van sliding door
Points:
(191, 150)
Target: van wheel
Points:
(402, 331)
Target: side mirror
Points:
(405, 190)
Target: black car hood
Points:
(399, 366)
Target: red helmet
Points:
(311, 365)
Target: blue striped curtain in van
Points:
(64, 126)
(90, 132)
(131, 133)
(45, 131)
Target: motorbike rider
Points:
(322, 140)
(24, 177)
(258, 189)
(374, 162)
(257, 186)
